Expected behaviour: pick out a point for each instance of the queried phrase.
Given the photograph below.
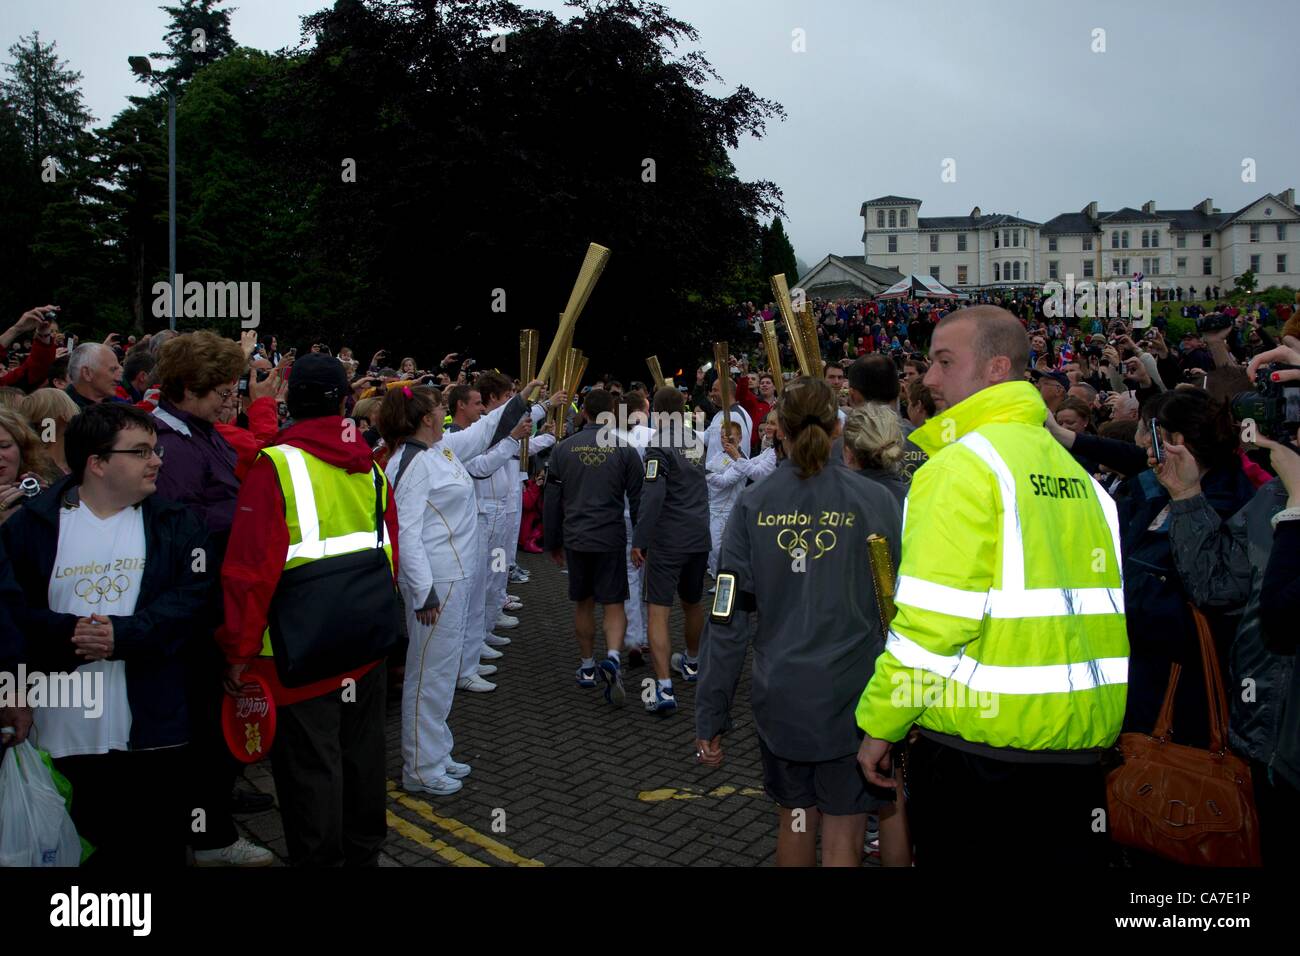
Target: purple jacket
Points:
(198, 467)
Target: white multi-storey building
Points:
(1190, 249)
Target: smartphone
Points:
(1157, 446)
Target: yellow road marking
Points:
(692, 793)
(413, 833)
(460, 830)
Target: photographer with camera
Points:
(31, 374)
(1246, 565)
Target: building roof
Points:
(971, 222)
(1193, 220)
(1128, 214)
(891, 201)
(1070, 224)
(885, 277)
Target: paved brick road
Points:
(572, 780)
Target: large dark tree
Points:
(199, 34)
(778, 254)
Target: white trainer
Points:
(512, 597)
(476, 685)
(457, 771)
(512, 606)
(486, 670)
(496, 640)
(239, 853)
(506, 622)
(443, 786)
(490, 654)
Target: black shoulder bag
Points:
(336, 614)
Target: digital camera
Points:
(1214, 322)
(1272, 406)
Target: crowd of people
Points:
(187, 517)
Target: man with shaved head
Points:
(1009, 650)
(93, 375)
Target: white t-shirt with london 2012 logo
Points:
(97, 570)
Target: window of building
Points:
(893, 218)
(1254, 264)
(1087, 243)
(1114, 240)
(1146, 239)
(1155, 238)
(961, 273)
(996, 235)
(1281, 263)
(902, 218)
(1207, 266)
(997, 272)
(1205, 241)
(961, 242)
(1182, 265)
(1087, 268)
(1015, 271)
(934, 273)
(1114, 267)
(893, 243)
(1181, 241)
(880, 219)
(1051, 244)
(1254, 232)
(934, 243)
(1151, 267)
(1053, 267)
(1015, 236)
(1281, 232)
(1123, 239)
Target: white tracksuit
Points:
(638, 436)
(726, 480)
(439, 549)
(713, 434)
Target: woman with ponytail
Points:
(438, 539)
(795, 551)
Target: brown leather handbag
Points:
(1192, 806)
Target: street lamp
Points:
(141, 67)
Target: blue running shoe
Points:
(689, 670)
(587, 676)
(664, 702)
(609, 673)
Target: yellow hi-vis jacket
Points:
(1010, 624)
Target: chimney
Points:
(975, 213)
(1149, 207)
(1288, 196)
(1206, 206)
(1091, 211)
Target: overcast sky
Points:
(1011, 90)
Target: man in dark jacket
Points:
(114, 582)
(589, 476)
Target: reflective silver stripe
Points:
(928, 596)
(1000, 679)
(312, 546)
(175, 423)
(1055, 602)
(1013, 544)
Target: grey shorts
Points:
(670, 573)
(836, 787)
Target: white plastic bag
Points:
(35, 829)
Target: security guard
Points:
(590, 475)
(312, 499)
(795, 550)
(1009, 650)
(672, 540)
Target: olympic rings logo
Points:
(795, 544)
(102, 589)
(592, 458)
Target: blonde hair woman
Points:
(873, 447)
(48, 411)
(21, 456)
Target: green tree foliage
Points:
(778, 253)
(199, 34)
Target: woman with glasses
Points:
(198, 375)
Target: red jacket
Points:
(756, 407)
(263, 424)
(35, 369)
(259, 540)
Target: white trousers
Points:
(717, 524)
(475, 633)
(634, 606)
(515, 520)
(432, 663)
(498, 557)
